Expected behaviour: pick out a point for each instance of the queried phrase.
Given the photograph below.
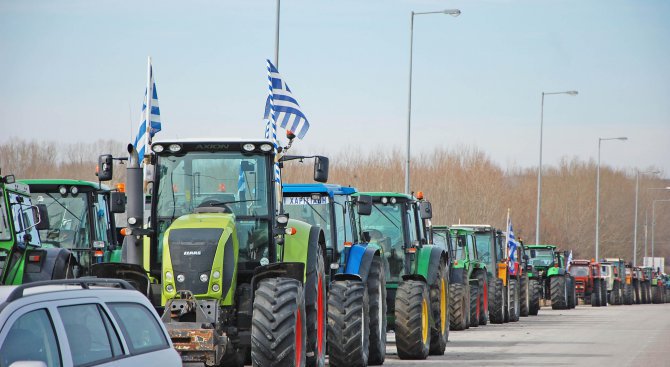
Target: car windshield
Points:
(68, 220)
(541, 257)
(579, 270)
(315, 211)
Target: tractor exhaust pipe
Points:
(135, 208)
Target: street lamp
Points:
(637, 192)
(600, 140)
(539, 170)
(452, 12)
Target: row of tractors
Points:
(246, 269)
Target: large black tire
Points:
(648, 290)
(524, 296)
(378, 307)
(535, 290)
(628, 294)
(475, 312)
(506, 301)
(636, 292)
(514, 312)
(439, 307)
(572, 296)
(315, 308)
(412, 320)
(348, 323)
(595, 294)
(613, 295)
(278, 335)
(558, 289)
(603, 293)
(484, 299)
(656, 295)
(497, 300)
(459, 306)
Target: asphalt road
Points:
(637, 335)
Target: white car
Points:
(81, 322)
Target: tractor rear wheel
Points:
(439, 306)
(475, 312)
(595, 294)
(315, 308)
(412, 320)
(278, 335)
(514, 311)
(348, 323)
(656, 295)
(559, 292)
(506, 301)
(459, 307)
(484, 299)
(497, 300)
(535, 292)
(628, 294)
(603, 293)
(377, 299)
(572, 299)
(524, 298)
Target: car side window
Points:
(139, 326)
(31, 338)
(89, 334)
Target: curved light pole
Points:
(637, 193)
(539, 170)
(600, 140)
(452, 12)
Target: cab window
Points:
(139, 327)
(31, 338)
(89, 333)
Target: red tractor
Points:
(589, 283)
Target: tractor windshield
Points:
(68, 220)
(5, 231)
(483, 241)
(541, 257)
(315, 211)
(385, 226)
(579, 270)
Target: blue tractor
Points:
(356, 310)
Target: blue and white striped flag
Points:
(283, 106)
(568, 263)
(241, 185)
(511, 246)
(143, 138)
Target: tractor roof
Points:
(475, 227)
(581, 262)
(441, 226)
(553, 247)
(387, 194)
(219, 140)
(330, 189)
(41, 185)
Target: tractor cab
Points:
(81, 219)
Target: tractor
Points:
(81, 219)
(614, 272)
(563, 259)
(657, 287)
(356, 268)
(551, 276)
(23, 258)
(645, 283)
(237, 280)
(519, 270)
(468, 293)
(629, 287)
(589, 284)
(503, 295)
(417, 277)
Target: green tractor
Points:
(81, 219)
(503, 290)
(23, 258)
(468, 288)
(237, 280)
(550, 275)
(417, 277)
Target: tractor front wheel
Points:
(559, 292)
(628, 294)
(412, 320)
(475, 312)
(603, 293)
(572, 296)
(524, 296)
(459, 307)
(278, 334)
(315, 308)
(377, 298)
(535, 290)
(348, 323)
(514, 311)
(497, 300)
(595, 294)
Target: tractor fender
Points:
(303, 247)
(417, 277)
(292, 270)
(345, 276)
(428, 262)
(457, 275)
(359, 260)
(555, 271)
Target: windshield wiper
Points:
(385, 216)
(316, 211)
(63, 206)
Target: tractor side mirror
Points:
(9, 179)
(118, 202)
(105, 170)
(364, 205)
(425, 210)
(42, 217)
(320, 169)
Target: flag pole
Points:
(147, 116)
(507, 234)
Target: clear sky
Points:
(76, 70)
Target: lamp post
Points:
(637, 192)
(452, 12)
(653, 224)
(600, 140)
(539, 170)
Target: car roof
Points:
(330, 189)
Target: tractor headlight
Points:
(216, 274)
(180, 278)
(266, 147)
(168, 276)
(169, 288)
(74, 190)
(393, 200)
(132, 221)
(215, 288)
(248, 147)
(157, 148)
(204, 278)
(62, 190)
(174, 148)
(385, 200)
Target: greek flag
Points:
(282, 107)
(241, 185)
(568, 263)
(511, 246)
(144, 135)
